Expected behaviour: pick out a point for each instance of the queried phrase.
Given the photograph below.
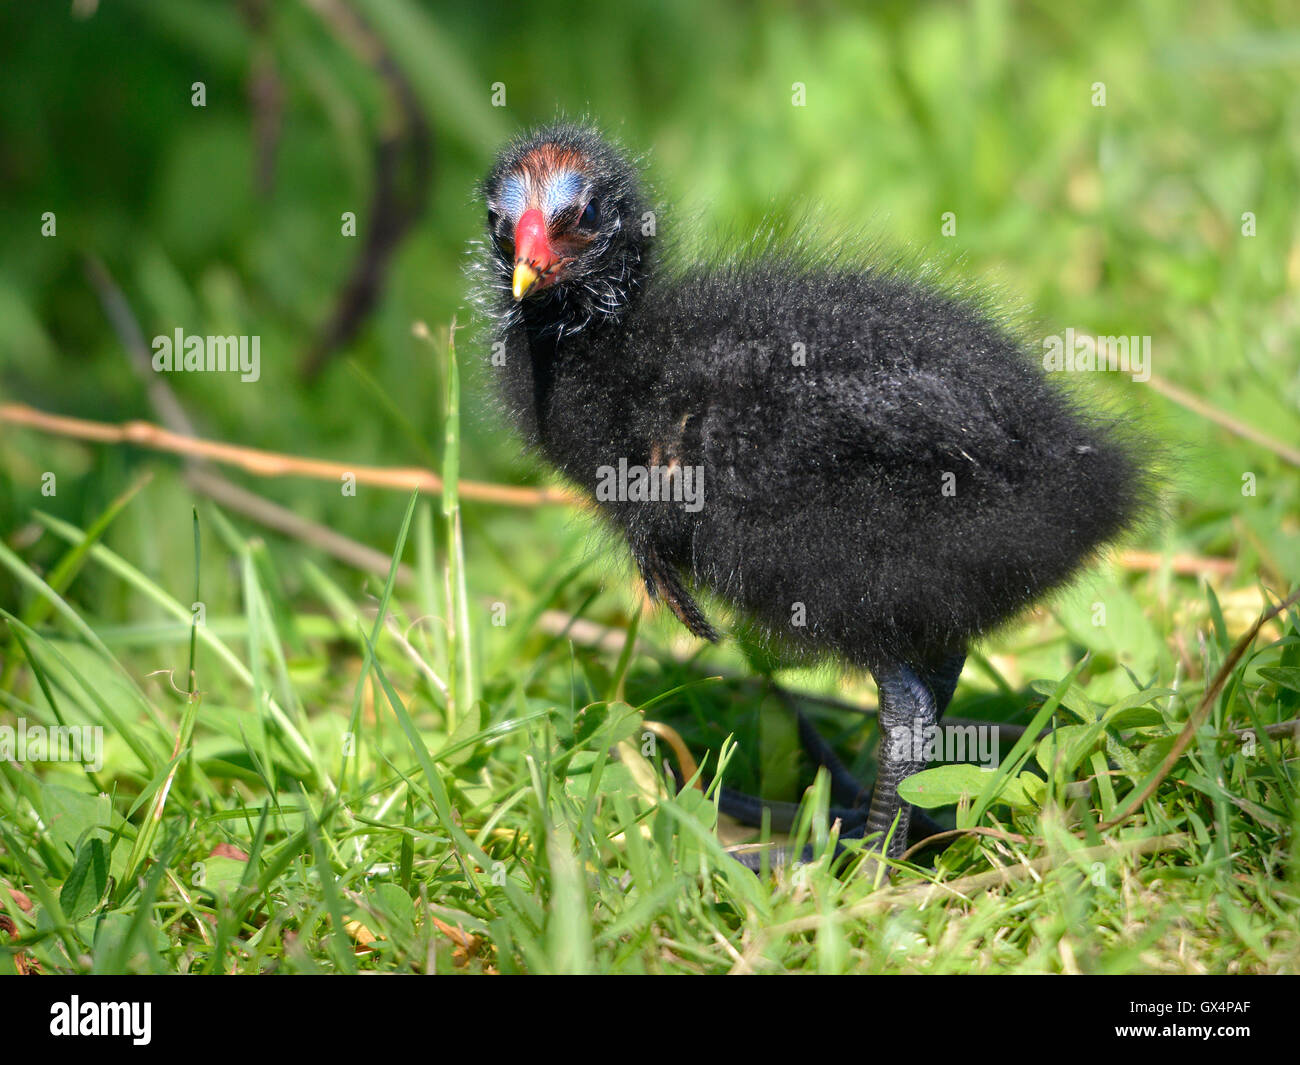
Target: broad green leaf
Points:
(87, 881)
(946, 785)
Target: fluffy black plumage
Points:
(877, 451)
(887, 472)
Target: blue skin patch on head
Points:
(514, 196)
(560, 191)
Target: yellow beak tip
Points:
(524, 279)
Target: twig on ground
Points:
(404, 478)
(272, 463)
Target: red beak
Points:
(534, 256)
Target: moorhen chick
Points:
(866, 466)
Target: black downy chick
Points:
(865, 466)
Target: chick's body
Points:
(885, 472)
(867, 467)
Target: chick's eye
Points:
(590, 217)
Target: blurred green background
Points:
(1125, 218)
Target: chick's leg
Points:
(910, 702)
(851, 796)
(907, 715)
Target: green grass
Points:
(532, 819)
(443, 765)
